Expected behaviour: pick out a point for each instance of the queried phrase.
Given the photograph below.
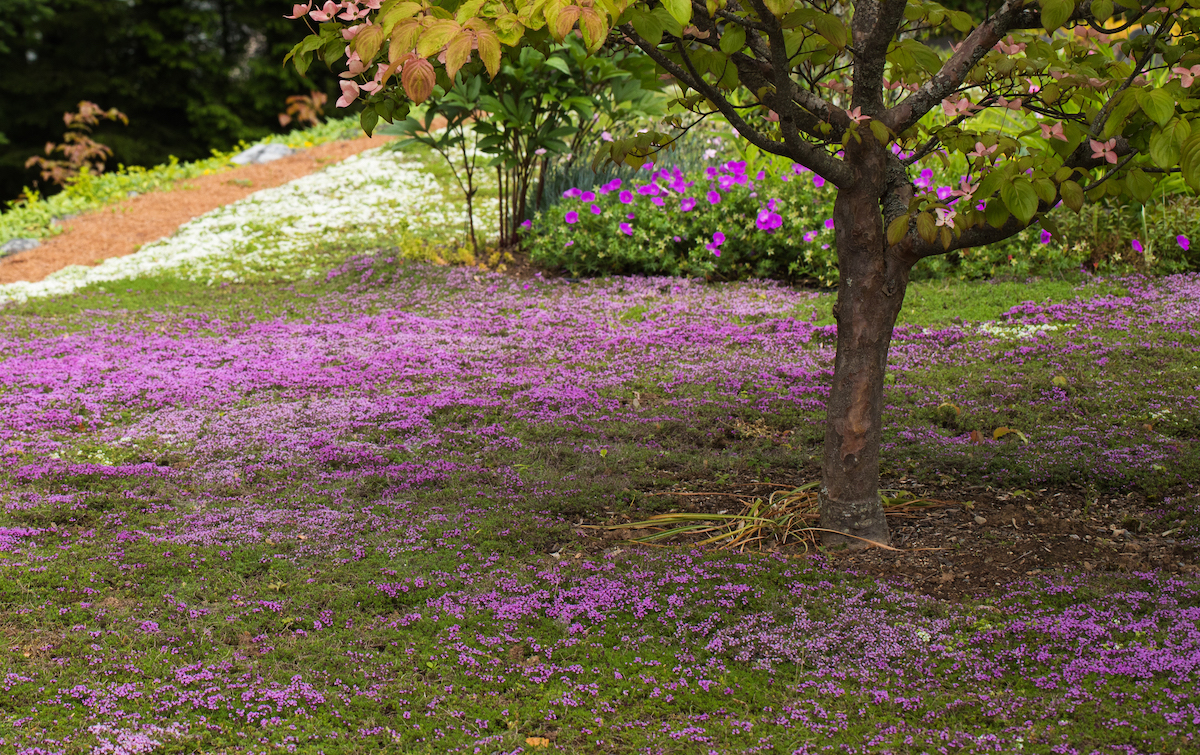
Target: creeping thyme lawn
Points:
(341, 516)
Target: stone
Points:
(18, 245)
(262, 153)
(980, 520)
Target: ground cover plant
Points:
(850, 90)
(366, 511)
(33, 216)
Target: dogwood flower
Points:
(327, 12)
(1186, 75)
(960, 106)
(350, 93)
(1053, 132)
(1106, 150)
(299, 9)
(856, 115)
(1009, 47)
(945, 216)
(982, 151)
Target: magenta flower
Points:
(768, 220)
(713, 197)
(659, 201)
(596, 209)
(829, 223)
(689, 203)
(1137, 246)
(571, 217)
(527, 224)
(626, 197)
(626, 229)
(725, 183)
(1045, 236)
(944, 193)
(714, 246)
(572, 193)
(810, 235)
(587, 196)
(818, 181)
(1183, 242)
(631, 216)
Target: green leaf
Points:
(1056, 12)
(733, 40)
(1139, 185)
(779, 8)
(1072, 195)
(1102, 9)
(882, 135)
(996, 213)
(1044, 188)
(1126, 103)
(680, 10)
(1157, 104)
(368, 118)
(897, 230)
(647, 26)
(926, 227)
(1189, 161)
(1020, 199)
(831, 28)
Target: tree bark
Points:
(870, 293)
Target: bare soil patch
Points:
(121, 229)
(968, 542)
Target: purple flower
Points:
(1045, 236)
(572, 193)
(587, 196)
(596, 210)
(1183, 242)
(829, 223)
(714, 246)
(527, 224)
(761, 175)
(943, 193)
(809, 236)
(725, 183)
(818, 181)
(570, 243)
(798, 169)
(649, 190)
(925, 180)
(659, 201)
(626, 229)
(676, 239)
(605, 136)
(571, 217)
(1137, 246)
(631, 216)
(689, 203)
(768, 220)
(713, 197)
(626, 197)
(613, 185)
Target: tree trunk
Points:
(870, 293)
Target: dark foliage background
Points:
(192, 75)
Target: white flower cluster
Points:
(1017, 332)
(370, 193)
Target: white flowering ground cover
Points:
(374, 198)
(361, 509)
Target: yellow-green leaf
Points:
(926, 227)
(680, 10)
(1020, 199)
(734, 38)
(436, 36)
(831, 28)
(897, 230)
(1072, 195)
(1157, 104)
(1056, 12)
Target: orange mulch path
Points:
(119, 229)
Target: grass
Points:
(342, 514)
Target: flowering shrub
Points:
(720, 223)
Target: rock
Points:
(18, 245)
(980, 520)
(262, 153)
